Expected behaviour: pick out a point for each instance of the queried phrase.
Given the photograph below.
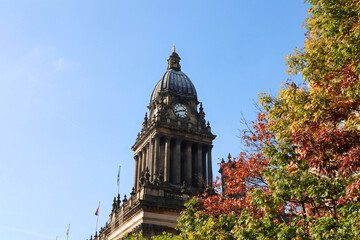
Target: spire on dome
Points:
(174, 60)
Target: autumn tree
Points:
(299, 177)
(307, 143)
(215, 214)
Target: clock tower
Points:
(172, 154)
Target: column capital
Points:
(154, 136)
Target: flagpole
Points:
(67, 233)
(97, 218)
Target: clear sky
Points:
(76, 78)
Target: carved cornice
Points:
(179, 130)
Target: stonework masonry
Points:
(172, 155)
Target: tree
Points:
(214, 215)
(307, 146)
(299, 177)
(139, 236)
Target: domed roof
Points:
(174, 80)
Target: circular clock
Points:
(180, 110)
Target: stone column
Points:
(209, 165)
(147, 156)
(143, 159)
(177, 162)
(139, 169)
(199, 159)
(136, 176)
(188, 164)
(156, 155)
(167, 160)
(204, 164)
(151, 160)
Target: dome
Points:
(175, 81)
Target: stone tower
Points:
(172, 155)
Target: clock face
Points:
(180, 110)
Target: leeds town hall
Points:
(172, 154)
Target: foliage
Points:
(195, 224)
(242, 174)
(299, 177)
(139, 236)
(301, 181)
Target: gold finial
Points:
(174, 60)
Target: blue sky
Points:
(76, 78)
